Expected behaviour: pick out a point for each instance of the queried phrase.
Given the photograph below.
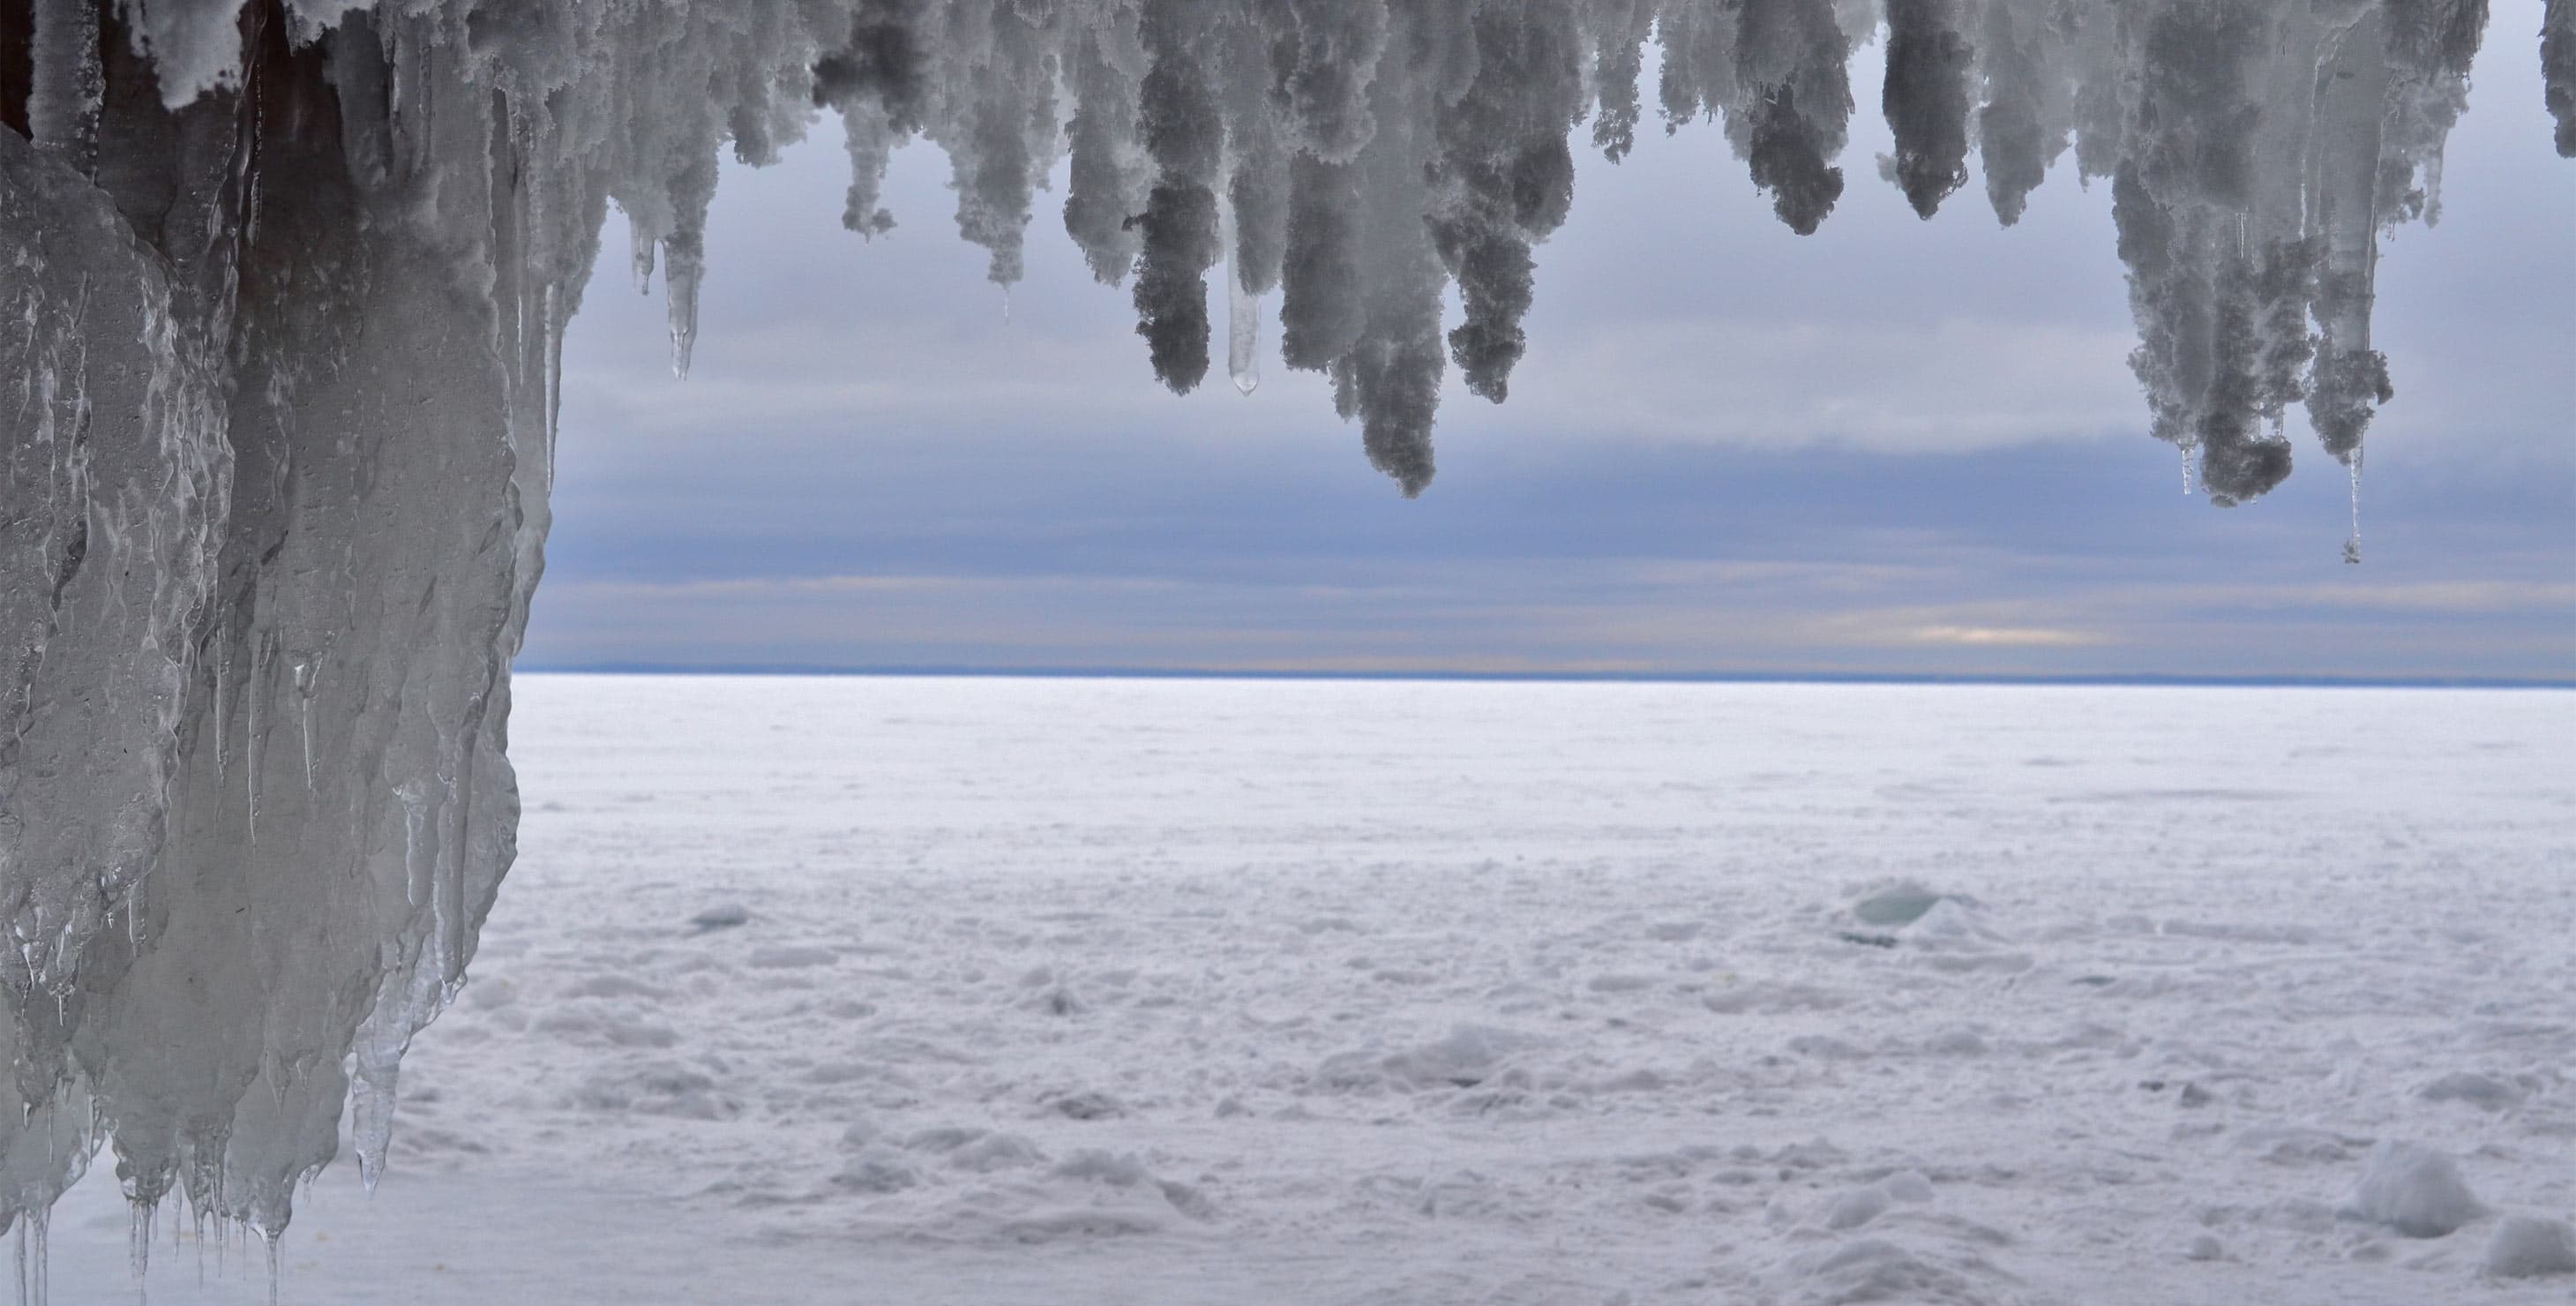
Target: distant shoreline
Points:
(1567, 677)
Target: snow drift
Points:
(286, 282)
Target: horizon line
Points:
(2103, 679)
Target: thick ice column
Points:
(2185, 196)
(2558, 69)
(1331, 53)
(1320, 313)
(1242, 313)
(1109, 174)
(116, 483)
(1256, 204)
(1001, 130)
(2027, 119)
(1390, 377)
(1791, 112)
(2344, 185)
(876, 74)
(1502, 177)
(266, 616)
(1929, 56)
(1183, 127)
(1619, 31)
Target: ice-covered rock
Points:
(1900, 903)
(1947, 923)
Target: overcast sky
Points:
(1892, 447)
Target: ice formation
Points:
(287, 280)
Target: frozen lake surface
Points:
(1121, 991)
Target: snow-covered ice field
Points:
(1133, 991)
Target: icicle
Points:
(223, 703)
(1243, 334)
(448, 916)
(253, 745)
(553, 380)
(138, 1247)
(2352, 546)
(681, 269)
(680, 284)
(640, 255)
(1242, 307)
(34, 1226)
(304, 668)
(271, 1238)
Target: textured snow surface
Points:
(1001, 991)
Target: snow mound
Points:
(2414, 1190)
(1885, 1270)
(1942, 931)
(1863, 1204)
(1907, 913)
(973, 1184)
(1110, 1192)
(1771, 998)
(792, 957)
(2486, 1092)
(1949, 924)
(1468, 1055)
(2530, 1247)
